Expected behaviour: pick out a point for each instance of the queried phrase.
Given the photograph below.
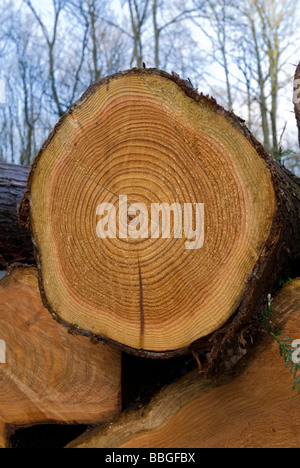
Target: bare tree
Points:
(48, 58)
(262, 75)
(104, 42)
(138, 10)
(164, 17)
(269, 29)
(244, 65)
(25, 86)
(51, 38)
(250, 41)
(31, 77)
(216, 23)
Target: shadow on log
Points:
(254, 407)
(15, 243)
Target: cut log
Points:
(15, 243)
(46, 374)
(101, 191)
(256, 408)
(297, 98)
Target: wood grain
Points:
(149, 136)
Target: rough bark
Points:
(46, 374)
(15, 243)
(255, 407)
(276, 190)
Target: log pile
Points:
(158, 226)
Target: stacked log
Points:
(160, 223)
(15, 243)
(48, 376)
(253, 407)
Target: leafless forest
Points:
(242, 53)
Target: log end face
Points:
(48, 375)
(145, 136)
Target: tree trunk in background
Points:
(273, 114)
(157, 32)
(15, 243)
(152, 138)
(262, 94)
(253, 408)
(138, 13)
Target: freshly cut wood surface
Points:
(150, 137)
(50, 375)
(255, 408)
(15, 243)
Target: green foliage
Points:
(286, 153)
(286, 347)
(284, 281)
(286, 278)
